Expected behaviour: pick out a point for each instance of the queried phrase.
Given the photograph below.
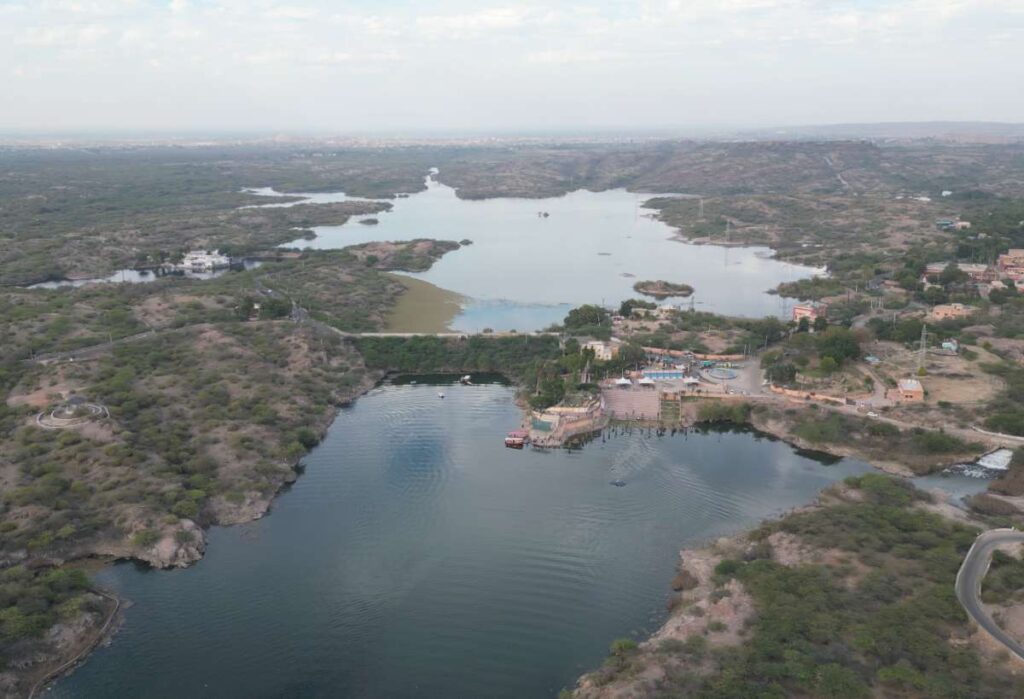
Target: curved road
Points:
(972, 572)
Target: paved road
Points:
(972, 572)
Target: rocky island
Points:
(662, 289)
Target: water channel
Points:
(417, 557)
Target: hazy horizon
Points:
(314, 67)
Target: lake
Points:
(418, 557)
(525, 270)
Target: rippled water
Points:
(524, 270)
(417, 557)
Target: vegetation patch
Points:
(662, 289)
(890, 625)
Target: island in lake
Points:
(662, 289)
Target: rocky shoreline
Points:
(716, 614)
(173, 550)
(71, 643)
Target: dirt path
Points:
(84, 650)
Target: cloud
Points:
(68, 35)
(565, 56)
(289, 12)
(481, 62)
(473, 23)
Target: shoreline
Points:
(711, 611)
(263, 506)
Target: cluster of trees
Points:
(825, 630)
(1006, 412)
(627, 307)
(589, 320)
(31, 601)
(272, 307)
(830, 349)
(722, 412)
(877, 436)
(515, 357)
(1005, 579)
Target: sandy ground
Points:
(423, 308)
(949, 377)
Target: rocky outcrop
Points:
(253, 506)
(178, 547)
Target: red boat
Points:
(517, 439)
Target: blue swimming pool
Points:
(664, 374)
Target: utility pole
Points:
(924, 347)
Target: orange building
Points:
(907, 391)
(1011, 264)
(950, 311)
(810, 310)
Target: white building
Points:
(204, 261)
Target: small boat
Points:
(466, 380)
(440, 394)
(517, 439)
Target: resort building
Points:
(810, 310)
(1011, 264)
(603, 351)
(951, 311)
(204, 261)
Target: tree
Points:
(840, 344)
(627, 306)
(588, 314)
(837, 682)
(934, 295)
(631, 353)
(952, 274)
(820, 324)
(803, 325)
(908, 279)
(781, 373)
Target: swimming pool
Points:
(663, 374)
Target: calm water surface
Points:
(523, 270)
(135, 276)
(417, 557)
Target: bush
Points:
(307, 438)
(146, 538)
(723, 411)
(623, 646)
(728, 567)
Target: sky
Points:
(478, 66)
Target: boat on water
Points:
(466, 380)
(440, 394)
(517, 439)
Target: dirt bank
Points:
(423, 308)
